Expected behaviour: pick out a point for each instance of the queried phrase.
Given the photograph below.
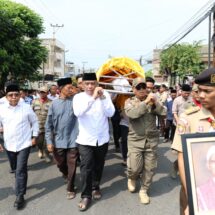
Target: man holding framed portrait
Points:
(196, 121)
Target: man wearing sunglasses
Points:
(20, 127)
(143, 137)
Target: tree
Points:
(181, 60)
(21, 51)
(149, 73)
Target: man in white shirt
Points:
(53, 93)
(92, 108)
(20, 128)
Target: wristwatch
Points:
(103, 97)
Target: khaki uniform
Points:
(193, 120)
(180, 105)
(41, 110)
(163, 97)
(143, 138)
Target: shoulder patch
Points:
(182, 126)
(191, 110)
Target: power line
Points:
(184, 27)
(191, 26)
(51, 13)
(192, 23)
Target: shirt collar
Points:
(18, 104)
(187, 100)
(204, 114)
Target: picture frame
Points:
(199, 163)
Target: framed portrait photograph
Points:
(199, 163)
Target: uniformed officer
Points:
(198, 120)
(143, 137)
(41, 107)
(195, 96)
(182, 103)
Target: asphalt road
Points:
(46, 193)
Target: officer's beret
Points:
(89, 77)
(207, 77)
(64, 81)
(12, 88)
(186, 88)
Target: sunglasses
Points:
(13, 94)
(140, 86)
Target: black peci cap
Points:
(207, 77)
(12, 88)
(89, 77)
(64, 81)
(186, 88)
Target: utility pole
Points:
(64, 61)
(43, 73)
(209, 42)
(84, 62)
(141, 60)
(213, 38)
(55, 27)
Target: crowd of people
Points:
(69, 123)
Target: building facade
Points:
(55, 64)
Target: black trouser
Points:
(11, 161)
(169, 126)
(124, 142)
(92, 164)
(19, 161)
(115, 120)
(66, 160)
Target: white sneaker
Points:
(40, 154)
(144, 198)
(131, 185)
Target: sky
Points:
(94, 30)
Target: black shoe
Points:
(20, 202)
(117, 149)
(12, 171)
(165, 140)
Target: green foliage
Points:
(21, 51)
(149, 73)
(182, 59)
